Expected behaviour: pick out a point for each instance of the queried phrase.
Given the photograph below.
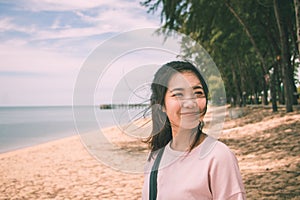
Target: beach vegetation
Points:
(253, 43)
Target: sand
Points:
(267, 146)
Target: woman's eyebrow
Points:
(198, 87)
(176, 89)
(181, 89)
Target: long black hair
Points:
(161, 128)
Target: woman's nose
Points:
(189, 102)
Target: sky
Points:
(44, 44)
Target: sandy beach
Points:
(267, 146)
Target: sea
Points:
(26, 126)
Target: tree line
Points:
(255, 44)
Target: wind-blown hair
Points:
(161, 128)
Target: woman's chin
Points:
(188, 124)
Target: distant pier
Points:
(123, 106)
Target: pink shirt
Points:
(209, 171)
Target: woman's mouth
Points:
(190, 113)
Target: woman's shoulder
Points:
(212, 147)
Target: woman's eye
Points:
(199, 94)
(177, 95)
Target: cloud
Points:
(45, 42)
(62, 5)
(22, 58)
(55, 31)
(7, 24)
(35, 76)
(57, 24)
(72, 33)
(112, 18)
(84, 19)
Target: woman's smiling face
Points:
(185, 101)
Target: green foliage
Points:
(242, 37)
(217, 93)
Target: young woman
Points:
(184, 162)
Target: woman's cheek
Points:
(173, 107)
(201, 103)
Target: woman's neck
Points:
(183, 139)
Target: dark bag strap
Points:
(153, 176)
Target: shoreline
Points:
(22, 127)
(266, 146)
(24, 147)
(39, 145)
(105, 131)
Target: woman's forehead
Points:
(184, 80)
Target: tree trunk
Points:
(279, 90)
(242, 82)
(273, 90)
(297, 16)
(285, 58)
(236, 86)
(265, 94)
(251, 38)
(256, 96)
